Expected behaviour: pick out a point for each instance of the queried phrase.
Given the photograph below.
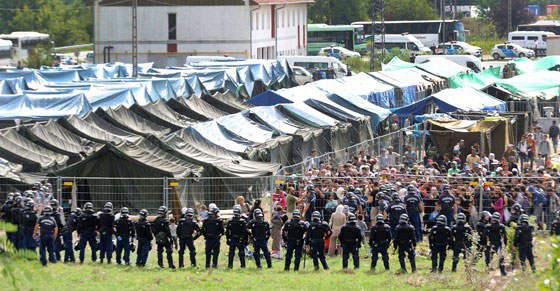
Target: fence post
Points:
(165, 192)
(480, 202)
(59, 188)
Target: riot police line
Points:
(51, 235)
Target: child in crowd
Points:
(173, 229)
(203, 213)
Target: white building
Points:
(170, 30)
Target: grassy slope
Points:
(95, 276)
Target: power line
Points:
(39, 9)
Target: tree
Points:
(409, 10)
(339, 11)
(497, 12)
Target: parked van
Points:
(530, 39)
(468, 61)
(317, 62)
(402, 41)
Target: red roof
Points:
(282, 1)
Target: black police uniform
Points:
(260, 232)
(513, 218)
(236, 237)
(405, 241)
(351, 238)
(440, 238)
(481, 244)
(495, 234)
(379, 240)
(69, 228)
(446, 202)
(28, 222)
(124, 230)
(461, 237)
(162, 233)
(144, 236)
(317, 233)
(47, 226)
(523, 240)
(412, 202)
(88, 223)
(555, 228)
(15, 219)
(394, 212)
(293, 233)
(106, 224)
(187, 231)
(212, 229)
(6, 215)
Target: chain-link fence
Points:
(413, 136)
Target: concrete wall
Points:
(239, 31)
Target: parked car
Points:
(338, 52)
(468, 61)
(302, 75)
(403, 41)
(458, 48)
(65, 59)
(511, 50)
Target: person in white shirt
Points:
(392, 157)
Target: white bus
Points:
(23, 42)
(5, 53)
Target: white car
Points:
(511, 50)
(338, 52)
(302, 75)
(458, 47)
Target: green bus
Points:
(348, 36)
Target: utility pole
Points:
(509, 16)
(377, 28)
(134, 38)
(442, 6)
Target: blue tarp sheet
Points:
(42, 106)
(451, 100)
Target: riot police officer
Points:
(88, 224)
(351, 238)
(462, 233)
(480, 230)
(440, 238)
(212, 229)
(516, 212)
(260, 232)
(144, 236)
(523, 241)
(379, 240)
(236, 236)
(69, 228)
(188, 231)
(415, 210)
(495, 234)
(162, 233)
(555, 228)
(106, 229)
(28, 222)
(446, 204)
(124, 230)
(5, 209)
(405, 241)
(394, 211)
(317, 232)
(15, 219)
(48, 229)
(58, 216)
(292, 233)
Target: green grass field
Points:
(30, 275)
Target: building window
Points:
(262, 21)
(172, 26)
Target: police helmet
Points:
(30, 204)
(403, 218)
(310, 188)
(296, 214)
(395, 197)
(43, 189)
(214, 211)
(108, 206)
(77, 211)
(143, 213)
(18, 199)
(382, 188)
(496, 217)
(88, 206)
(461, 218)
(47, 210)
(54, 203)
(524, 218)
(259, 213)
(485, 214)
(36, 186)
(10, 196)
(316, 215)
(358, 192)
(446, 187)
(124, 211)
(441, 220)
(349, 195)
(48, 185)
(380, 196)
(411, 189)
(351, 218)
(558, 214)
(162, 210)
(351, 188)
(516, 207)
(190, 212)
(237, 210)
(380, 218)
(28, 194)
